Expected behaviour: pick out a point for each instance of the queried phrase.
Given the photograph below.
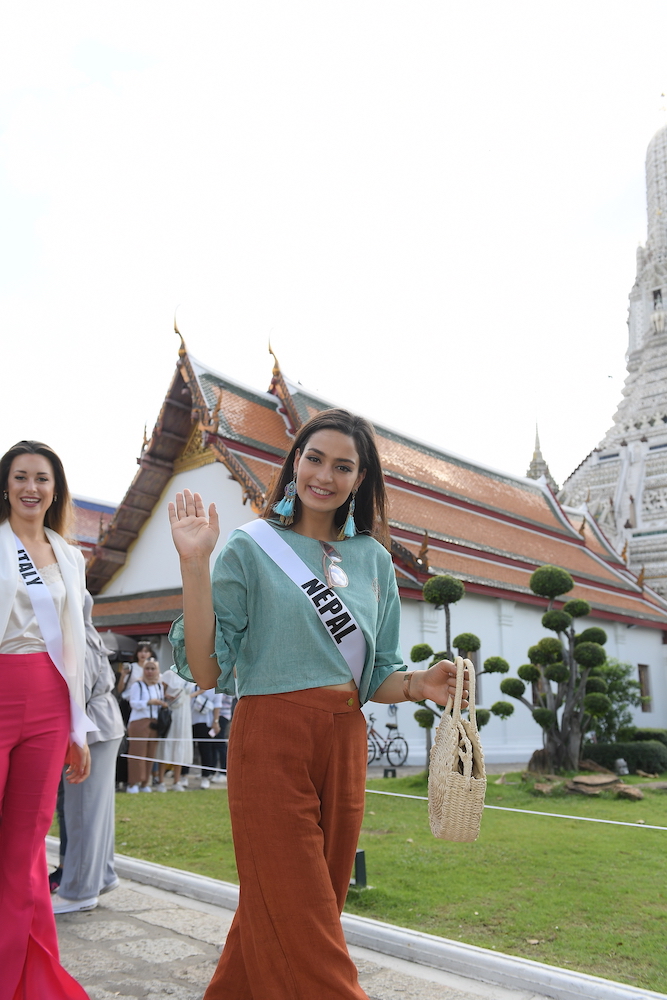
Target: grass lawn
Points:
(585, 896)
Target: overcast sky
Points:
(432, 208)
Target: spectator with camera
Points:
(146, 697)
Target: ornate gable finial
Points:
(276, 364)
(279, 388)
(182, 351)
(624, 553)
(423, 553)
(146, 439)
(641, 577)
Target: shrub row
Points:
(637, 733)
(648, 755)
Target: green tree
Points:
(568, 687)
(443, 591)
(623, 692)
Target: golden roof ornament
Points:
(624, 553)
(641, 577)
(182, 351)
(423, 552)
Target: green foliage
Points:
(443, 589)
(557, 672)
(589, 654)
(592, 634)
(549, 650)
(551, 581)
(425, 718)
(503, 709)
(594, 684)
(483, 715)
(557, 621)
(467, 642)
(596, 704)
(577, 608)
(648, 756)
(442, 655)
(534, 655)
(496, 665)
(645, 733)
(513, 687)
(420, 652)
(544, 717)
(624, 693)
(529, 673)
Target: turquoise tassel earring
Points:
(349, 529)
(285, 507)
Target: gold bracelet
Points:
(406, 686)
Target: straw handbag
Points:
(457, 779)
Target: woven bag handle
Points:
(461, 667)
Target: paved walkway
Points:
(145, 942)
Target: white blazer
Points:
(72, 568)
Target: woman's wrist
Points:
(412, 685)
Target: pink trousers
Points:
(34, 731)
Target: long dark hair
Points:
(60, 514)
(371, 502)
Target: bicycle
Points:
(394, 746)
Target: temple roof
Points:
(490, 529)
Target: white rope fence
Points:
(528, 812)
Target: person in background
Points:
(205, 725)
(129, 674)
(220, 740)
(89, 808)
(176, 748)
(146, 696)
(42, 709)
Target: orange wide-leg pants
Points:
(296, 781)
(34, 733)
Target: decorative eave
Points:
(252, 491)
(279, 388)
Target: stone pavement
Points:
(145, 942)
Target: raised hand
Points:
(194, 533)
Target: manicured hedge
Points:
(649, 755)
(651, 734)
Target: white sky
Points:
(431, 207)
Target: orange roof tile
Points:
(476, 486)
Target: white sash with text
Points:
(337, 620)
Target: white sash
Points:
(49, 626)
(338, 621)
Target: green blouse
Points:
(277, 643)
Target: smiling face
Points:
(327, 471)
(30, 488)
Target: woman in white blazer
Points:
(42, 710)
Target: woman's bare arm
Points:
(195, 535)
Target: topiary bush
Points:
(483, 715)
(467, 642)
(557, 621)
(529, 673)
(549, 650)
(496, 665)
(649, 755)
(443, 589)
(596, 684)
(592, 634)
(577, 608)
(551, 581)
(437, 657)
(544, 717)
(425, 718)
(589, 654)
(420, 652)
(557, 672)
(596, 705)
(503, 709)
(513, 687)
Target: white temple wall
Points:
(507, 628)
(152, 561)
